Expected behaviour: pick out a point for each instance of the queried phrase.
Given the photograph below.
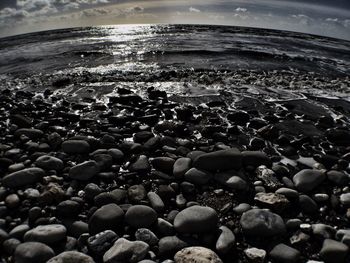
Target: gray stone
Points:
(139, 216)
(219, 160)
(108, 217)
(226, 240)
(345, 199)
(23, 177)
(272, 201)
(284, 254)
(262, 223)
(136, 193)
(147, 236)
(181, 166)
(231, 180)
(125, 251)
(255, 159)
(255, 255)
(333, 251)
(33, 252)
(141, 164)
(75, 147)
(196, 255)
(84, 171)
(156, 202)
(196, 219)
(197, 176)
(47, 234)
(269, 177)
(30, 133)
(306, 180)
(101, 242)
(70, 257)
(338, 177)
(48, 162)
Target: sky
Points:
(320, 17)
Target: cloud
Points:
(241, 9)
(194, 10)
(303, 19)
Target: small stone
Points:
(124, 250)
(268, 176)
(338, 177)
(307, 205)
(255, 255)
(108, 217)
(197, 176)
(71, 256)
(33, 252)
(30, 133)
(306, 180)
(136, 193)
(47, 234)
(76, 147)
(164, 164)
(84, 171)
(101, 242)
(196, 254)
(272, 201)
(23, 177)
(241, 208)
(334, 251)
(156, 202)
(255, 159)
(231, 180)
(226, 240)
(181, 166)
(196, 219)
(147, 236)
(49, 163)
(262, 223)
(141, 164)
(139, 216)
(12, 201)
(284, 254)
(345, 200)
(169, 245)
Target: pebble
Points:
(230, 180)
(198, 177)
(219, 160)
(147, 236)
(47, 162)
(23, 177)
(155, 201)
(226, 240)
(47, 234)
(141, 164)
(33, 252)
(284, 254)
(124, 250)
(275, 202)
(333, 251)
(196, 255)
(181, 166)
(30, 133)
(101, 242)
(345, 200)
(108, 217)
(307, 204)
(338, 177)
(262, 223)
(307, 180)
(136, 193)
(255, 255)
(255, 159)
(139, 216)
(169, 245)
(75, 147)
(196, 219)
(84, 171)
(70, 257)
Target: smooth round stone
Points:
(164, 164)
(338, 177)
(101, 242)
(345, 199)
(30, 133)
(262, 223)
(108, 217)
(196, 254)
(241, 208)
(75, 147)
(307, 204)
(285, 254)
(77, 228)
(9, 245)
(219, 160)
(255, 159)
(19, 231)
(164, 228)
(70, 257)
(169, 245)
(291, 194)
(229, 179)
(139, 216)
(124, 250)
(156, 202)
(226, 240)
(116, 154)
(12, 201)
(47, 234)
(68, 209)
(23, 177)
(181, 166)
(196, 219)
(334, 251)
(48, 162)
(33, 252)
(147, 236)
(140, 165)
(84, 171)
(306, 180)
(136, 193)
(198, 177)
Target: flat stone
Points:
(164, 164)
(272, 201)
(76, 147)
(219, 160)
(47, 234)
(124, 250)
(306, 180)
(139, 216)
(108, 217)
(23, 177)
(155, 201)
(196, 255)
(70, 257)
(33, 252)
(84, 171)
(49, 163)
(262, 223)
(196, 219)
(30, 133)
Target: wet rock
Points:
(307, 205)
(147, 236)
(284, 254)
(196, 255)
(84, 171)
(164, 164)
(71, 256)
(124, 250)
(139, 216)
(33, 252)
(47, 234)
(226, 240)
(12, 201)
(219, 160)
(23, 177)
(196, 219)
(306, 180)
(49, 163)
(76, 147)
(101, 242)
(108, 217)
(169, 245)
(262, 223)
(269, 177)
